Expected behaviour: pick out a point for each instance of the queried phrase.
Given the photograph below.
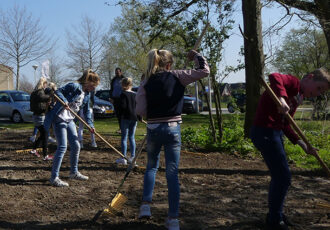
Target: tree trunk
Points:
(210, 112)
(254, 58)
(217, 101)
(324, 19)
(17, 76)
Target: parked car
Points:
(190, 105)
(102, 108)
(15, 105)
(103, 94)
(237, 103)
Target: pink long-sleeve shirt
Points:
(185, 77)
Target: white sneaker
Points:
(121, 161)
(172, 224)
(145, 211)
(57, 182)
(94, 145)
(78, 176)
(51, 140)
(33, 138)
(130, 160)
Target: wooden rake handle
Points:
(199, 40)
(294, 124)
(84, 122)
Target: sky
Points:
(57, 16)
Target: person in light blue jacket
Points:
(76, 96)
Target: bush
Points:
(233, 138)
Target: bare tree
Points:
(319, 8)
(22, 39)
(26, 85)
(56, 71)
(84, 45)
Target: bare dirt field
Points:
(218, 191)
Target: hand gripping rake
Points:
(294, 125)
(84, 122)
(119, 200)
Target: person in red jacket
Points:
(269, 126)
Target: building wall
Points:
(6, 78)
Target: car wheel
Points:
(17, 117)
(230, 108)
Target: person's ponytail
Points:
(157, 61)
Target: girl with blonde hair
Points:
(39, 102)
(160, 100)
(128, 119)
(76, 96)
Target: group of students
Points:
(159, 99)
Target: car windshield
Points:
(19, 96)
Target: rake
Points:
(324, 205)
(119, 200)
(295, 126)
(96, 133)
(27, 150)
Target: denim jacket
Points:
(69, 93)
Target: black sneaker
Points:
(287, 221)
(275, 226)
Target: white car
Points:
(15, 105)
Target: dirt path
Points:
(218, 191)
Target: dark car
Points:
(102, 108)
(103, 94)
(15, 105)
(190, 105)
(237, 103)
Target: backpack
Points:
(34, 100)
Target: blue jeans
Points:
(269, 142)
(170, 138)
(65, 131)
(128, 128)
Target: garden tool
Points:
(119, 200)
(27, 150)
(199, 40)
(324, 205)
(293, 123)
(84, 122)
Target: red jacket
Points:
(267, 115)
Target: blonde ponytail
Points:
(157, 61)
(40, 83)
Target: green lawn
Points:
(196, 135)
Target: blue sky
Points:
(59, 15)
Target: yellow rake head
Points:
(27, 150)
(116, 205)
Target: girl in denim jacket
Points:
(75, 96)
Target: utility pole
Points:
(35, 77)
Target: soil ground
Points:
(218, 191)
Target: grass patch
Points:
(195, 135)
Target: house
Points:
(226, 89)
(6, 78)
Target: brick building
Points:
(6, 78)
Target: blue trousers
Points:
(170, 138)
(270, 143)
